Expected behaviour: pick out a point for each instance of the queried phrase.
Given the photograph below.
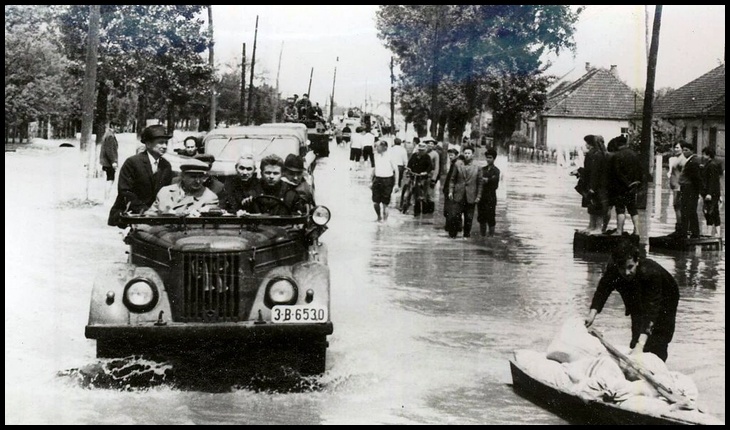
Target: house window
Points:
(695, 132)
(625, 131)
(712, 138)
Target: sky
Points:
(310, 39)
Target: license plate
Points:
(298, 314)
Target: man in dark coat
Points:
(142, 175)
(650, 295)
(690, 186)
(487, 194)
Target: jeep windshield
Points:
(226, 148)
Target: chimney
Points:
(614, 71)
(588, 67)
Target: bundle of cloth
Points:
(577, 362)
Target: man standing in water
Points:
(650, 295)
(487, 194)
(384, 180)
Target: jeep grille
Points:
(211, 287)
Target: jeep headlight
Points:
(321, 215)
(281, 291)
(140, 295)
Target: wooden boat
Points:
(599, 242)
(578, 410)
(674, 243)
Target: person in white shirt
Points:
(356, 148)
(400, 158)
(384, 180)
(368, 140)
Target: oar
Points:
(645, 374)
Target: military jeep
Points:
(249, 288)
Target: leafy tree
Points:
(38, 85)
(153, 50)
(475, 51)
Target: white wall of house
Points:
(567, 133)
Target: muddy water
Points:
(424, 325)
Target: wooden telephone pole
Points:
(646, 124)
(309, 88)
(250, 83)
(242, 108)
(332, 97)
(275, 104)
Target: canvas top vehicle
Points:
(250, 287)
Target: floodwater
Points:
(424, 325)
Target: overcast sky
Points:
(691, 43)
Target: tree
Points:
(152, 50)
(471, 50)
(38, 84)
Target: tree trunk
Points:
(102, 104)
(211, 61)
(141, 112)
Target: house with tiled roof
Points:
(598, 102)
(697, 109)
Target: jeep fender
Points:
(107, 296)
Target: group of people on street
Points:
(148, 186)
(610, 178)
(465, 186)
(692, 178)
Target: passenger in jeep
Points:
(189, 195)
(239, 190)
(281, 198)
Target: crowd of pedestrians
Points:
(612, 175)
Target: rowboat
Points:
(579, 410)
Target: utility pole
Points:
(276, 95)
(332, 97)
(211, 61)
(242, 108)
(253, 63)
(87, 118)
(309, 88)
(392, 98)
(646, 124)
(647, 39)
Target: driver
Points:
(274, 189)
(187, 196)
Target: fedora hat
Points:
(153, 132)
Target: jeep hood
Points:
(212, 239)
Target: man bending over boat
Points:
(649, 293)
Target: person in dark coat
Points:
(487, 194)
(690, 186)
(624, 181)
(712, 173)
(108, 158)
(449, 205)
(241, 189)
(142, 175)
(650, 295)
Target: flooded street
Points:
(424, 325)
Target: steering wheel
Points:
(264, 198)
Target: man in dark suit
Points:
(690, 186)
(143, 175)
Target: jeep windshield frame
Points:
(217, 219)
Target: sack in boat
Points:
(573, 342)
(542, 369)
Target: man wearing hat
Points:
(142, 175)
(294, 175)
(487, 194)
(190, 194)
(421, 166)
(212, 183)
